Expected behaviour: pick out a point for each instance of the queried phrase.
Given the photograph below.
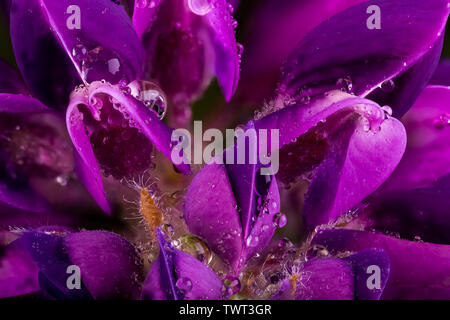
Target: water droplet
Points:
(232, 285)
(200, 7)
(387, 86)
(62, 180)
(79, 52)
(279, 220)
(285, 243)
(151, 95)
(345, 84)
(184, 284)
(168, 229)
(442, 121)
(387, 110)
(196, 247)
(113, 66)
(252, 241)
(316, 251)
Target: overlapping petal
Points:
(391, 64)
(33, 143)
(360, 143)
(234, 208)
(102, 119)
(418, 270)
(332, 278)
(60, 44)
(48, 254)
(289, 24)
(188, 42)
(176, 275)
(414, 200)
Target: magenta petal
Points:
(329, 56)
(416, 213)
(48, 33)
(234, 208)
(418, 270)
(289, 24)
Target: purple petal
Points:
(49, 255)
(111, 268)
(227, 53)
(46, 33)
(425, 158)
(400, 53)
(284, 292)
(10, 80)
(418, 270)
(361, 262)
(210, 211)
(366, 147)
(442, 74)
(112, 118)
(189, 45)
(290, 23)
(234, 209)
(325, 279)
(18, 111)
(416, 213)
(18, 271)
(176, 275)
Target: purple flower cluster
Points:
(89, 209)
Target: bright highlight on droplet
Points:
(200, 7)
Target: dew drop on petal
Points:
(184, 284)
(280, 220)
(387, 86)
(196, 247)
(79, 52)
(316, 251)
(200, 7)
(151, 95)
(168, 229)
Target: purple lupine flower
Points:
(187, 42)
(82, 55)
(359, 136)
(38, 263)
